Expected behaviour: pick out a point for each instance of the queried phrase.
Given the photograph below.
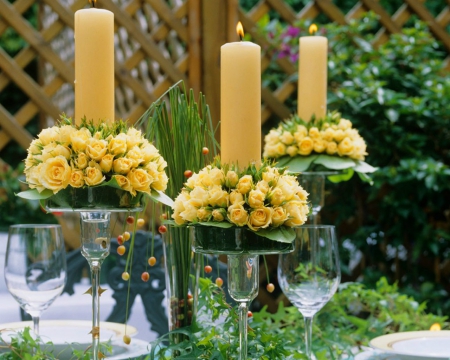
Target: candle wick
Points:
(92, 3)
(240, 37)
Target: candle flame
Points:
(313, 29)
(240, 30)
(435, 327)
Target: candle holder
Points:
(95, 206)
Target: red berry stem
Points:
(267, 269)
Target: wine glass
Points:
(35, 267)
(314, 184)
(310, 275)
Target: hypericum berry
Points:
(270, 287)
(125, 276)
(121, 250)
(205, 151)
(126, 236)
(140, 222)
(208, 269)
(162, 229)
(145, 276)
(188, 173)
(219, 282)
(126, 339)
(120, 239)
(130, 220)
(152, 261)
(249, 314)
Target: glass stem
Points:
(308, 336)
(36, 324)
(95, 280)
(243, 318)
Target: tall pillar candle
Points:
(312, 77)
(240, 103)
(94, 65)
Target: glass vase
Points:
(314, 184)
(181, 279)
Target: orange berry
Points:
(126, 339)
(208, 269)
(249, 314)
(219, 282)
(188, 173)
(126, 235)
(140, 222)
(130, 220)
(120, 239)
(270, 287)
(121, 250)
(164, 216)
(162, 229)
(152, 261)
(125, 276)
(145, 276)
(205, 151)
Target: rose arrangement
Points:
(89, 155)
(263, 198)
(331, 143)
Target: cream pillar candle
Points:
(312, 76)
(94, 65)
(240, 102)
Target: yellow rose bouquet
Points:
(66, 159)
(263, 199)
(325, 144)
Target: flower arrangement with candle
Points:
(92, 155)
(331, 143)
(264, 199)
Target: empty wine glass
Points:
(35, 267)
(310, 275)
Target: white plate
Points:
(415, 345)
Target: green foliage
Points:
(353, 317)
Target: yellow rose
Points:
(217, 196)
(122, 165)
(287, 138)
(331, 148)
(180, 200)
(270, 175)
(134, 137)
(301, 131)
(302, 193)
(236, 197)
(263, 186)
(106, 163)
(297, 213)
(288, 186)
(98, 135)
(237, 215)
(272, 137)
(135, 154)
(314, 133)
(292, 150)
(35, 147)
(306, 146)
(320, 145)
(52, 150)
(245, 184)
(123, 182)
(93, 174)
(279, 216)
(256, 198)
(149, 152)
(140, 180)
(338, 135)
(232, 179)
(81, 162)
(55, 173)
(64, 134)
(189, 213)
(96, 149)
(351, 133)
(199, 196)
(359, 150)
(217, 176)
(76, 178)
(204, 179)
(160, 183)
(118, 145)
(345, 147)
(203, 214)
(48, 135)
(260, 218)
(79, 139)
(33, 176)
(344, 124)
(219, 214)
(276, 197)
(328, 134)
(272, 151)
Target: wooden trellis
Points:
(159, 42)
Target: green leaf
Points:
(281, 234)
(363, 167)
(159, 196)
(366, 178)
(33, 194)
(335, 162)
(222, 224)
(283, 161)
(345, 175)
(300, 163)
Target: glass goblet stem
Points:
(308, 336)
(95, 281)
(243, 319)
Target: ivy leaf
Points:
(363, 167)
(281, 234)
(335, 162)
(345, 175)
(33, 194)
